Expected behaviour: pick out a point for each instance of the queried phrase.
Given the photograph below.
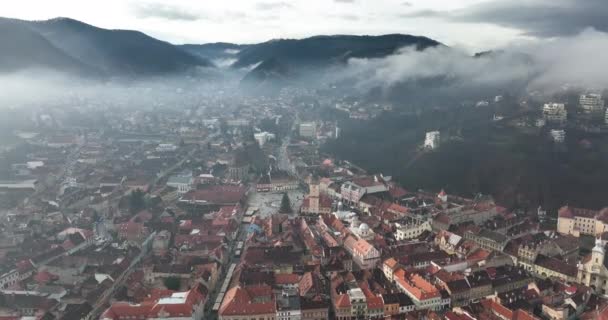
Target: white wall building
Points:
(166, 147)
(411, 230)
(558, 136)
(555, 112)
(263, 137)
(591, 103)
(432, 140)
(308, 129)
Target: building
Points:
(263, 137)
(249, 302)
(166, 147)
(364, 254)
(358, 303)
(558, 135)
(592, 103)
(576, 221)
(277, 181)
(353, 191)
(411, 230)
(555, 112)
(308, 130)
(488, 239)
(593, 270)
(432, 140)
(288, 306)
(315, 203)
(187, 305)
(182, 182)
(423, 293)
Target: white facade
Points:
(432, 140)
(411, 230)
(308, 130)
(263, 137)
(166, 147)
(591, 103)
(558, 136)
(555, 112)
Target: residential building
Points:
(558, 135)
(308, 130)
(577, 221)
(555, 112)
(592, 103)
(432, 140)
(263, 137)
(182, 182)
(411, 230)
(423, 293)
(187, 305)
(248, 302)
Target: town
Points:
(237, 213)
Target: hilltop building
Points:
(432, 140)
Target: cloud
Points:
(544, 65)
(345, 1)
(273, 5)
(540, 18)
(406, 4)
(164, 11)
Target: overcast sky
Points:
(471, 24)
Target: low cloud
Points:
(544, 65)
(164, 11)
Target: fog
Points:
(539, 65)
(442, 72)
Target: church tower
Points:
(598, 252)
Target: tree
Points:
(285, 204)
(136, 201)
(172, 283)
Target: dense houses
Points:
(177, 217)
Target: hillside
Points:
(113, 52)
(322, 50)
(23, 48)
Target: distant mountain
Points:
(113, 52)
(323, 50)
(266, 75)
(215, 51)
(317, 54)
(22, 48)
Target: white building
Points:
(166, 147)
(263, 137)
(432, 140)
(182, 182)
(308, 129)
(558, 136)
(591, 103)
(411, 230)
(555, 112)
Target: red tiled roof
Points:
(177, 305)
(220, 194)
(240, 301)
(286, 278)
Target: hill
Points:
(113, 52)
(23, 48)
(323, 50)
